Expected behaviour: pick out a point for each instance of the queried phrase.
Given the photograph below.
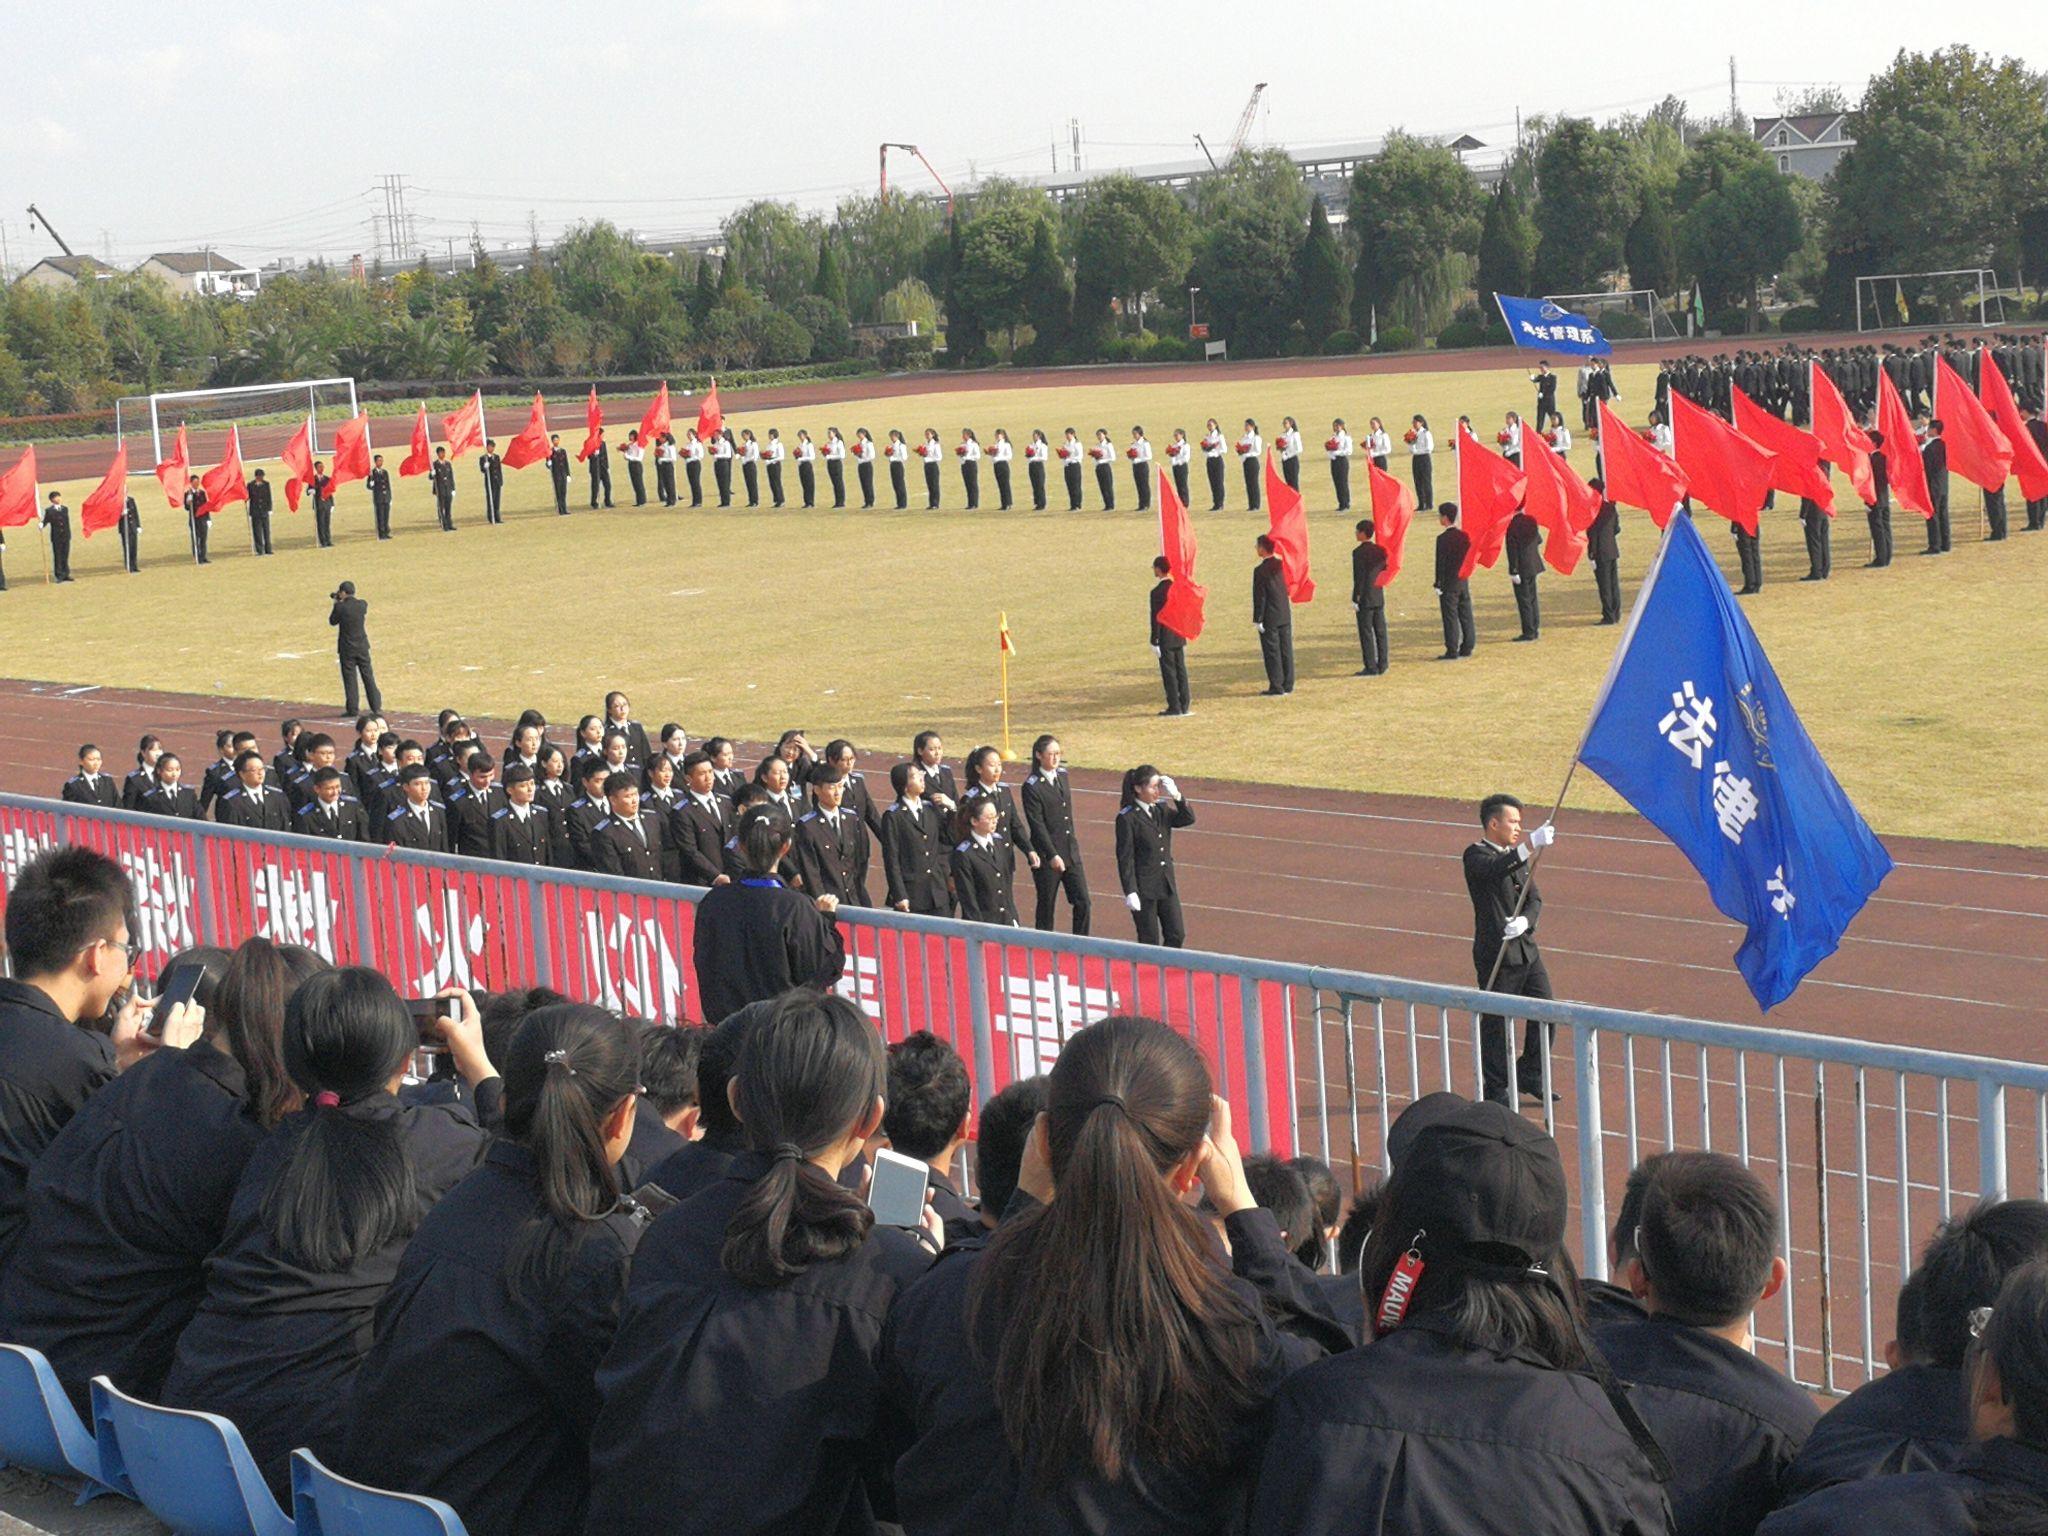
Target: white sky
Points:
(140, 125)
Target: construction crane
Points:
(1244, 120)
(883, 195)
(35, 217)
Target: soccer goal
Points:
(268, 414)
(1890, 301)
(1633, 314)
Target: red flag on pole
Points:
(1977, 450)
(1489, 491)
(351, 451)
(593, 426)
(464, 429)
(2028, 462)
(1393, 514)
(1635, 473)
(1183, 609)
(298, 458)
(109, 499)
(1904, 469)
(18, 492)
(223, 484)
(1796, 471)
(709, 417)
(1841, 440)
(656, 421)
(421, 458)
(1725, 470)
(1562, 504)
(1287, 527)
(531, 445)
(174, 473)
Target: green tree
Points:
(1586, 199)
(1650, 248)
(827, 282)
(1250, 218)
(1739, 234)
(910, 302)
(775, 246)
(1322, 283)
(994, 253)
(703, 291)
(879, 244)
(1048, 296)
(831, 337)
(1129, 237)
(1507, 246)
(1416, 214)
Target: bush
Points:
(1802, 317)
(831, 336)
(1340, 343)
(1730, 321)
(1623, 325)
(907, 354)
(1120, 349)
(1169, 349)
(1396, 338)
(1469, 333)
(1297, 344)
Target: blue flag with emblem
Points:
(1541, 324)
(1693, 729)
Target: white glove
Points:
(1171, 789)
(1517, 926)
(1354, 607)
(1260, 628)
(1134, 901)
(1543, 836)
(1515, 577)
(1436, 591)
(1155, 653)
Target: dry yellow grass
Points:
(1914, 681)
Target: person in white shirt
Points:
(1589, 404)
(1036, 452)
(1071, 453)
(999, 453)
(693, 466)
(968, 450)
(835, 466)
(898, 453)
(1140, 455)
(1378, 446)
(1179, 453)
(1660, 432)
(721, 465)
(1510, 439)
(807, 468)
(635, 454)
(1338, 446)
(1288, 443)
(929, 450)
(1560, 435)
(750, 466)
(864, 466)
(1422, 461)
(665, 456)
(1251, 452)
(1214, 446)
(772, 455)
(1103, 452)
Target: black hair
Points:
(1006, 1122)
(716, 745)
(762, 836)
(1161, 565)
(1358, 1225)
(87, 746)
(809, 1076)
(838, 746)
(62, 901)
(1630, 1215)
(922, 740)
(1708, 1232)
(1964, 1264)
(1141, 774)
(1322, 1187)
(619, 782)
(899, 776)
(976, 758)
(1284, 1192)
(692, 760)
(928, 1094)
(2015, 1340)
(717, 1063)
(346, 1187)
(668, 1067)
(1906, 1320)
(1038, 747)
(593, 768)
(500, 1014)
(1493, 805)
(1266, 544)
(1364, 525)
(245, 1017)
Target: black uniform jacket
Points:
(617, 848)
(1915, 1419)
(100, 789)
(700, 836)
(403, 827)
(527, 840)
(1924, 1503)
(1049, 813)
(1270, 604)
(49, 1067)
(832, 856)
(170, 800)
(345, 820)
(1367, 561)
(1144, 846)
(267, 809)
(1452, 545)
(756, 939)
(1495, 877)
(982, 881)
(915, 845)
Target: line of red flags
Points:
(1977, 450)
(109, 499)
(1287, 527)
(1489, 494)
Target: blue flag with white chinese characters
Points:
(1541, 324)
(1694, 731)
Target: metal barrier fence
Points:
(1867, 1146)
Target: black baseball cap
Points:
(1430, 1109)
(1485, 1186)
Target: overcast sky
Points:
(141, 125)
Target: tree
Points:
(1048, 296)
(1416, 214)
(1322, 285)
(1587, 198)
(910, 302)
(826, 282)
(703, 292)
(775, 246)
(1507, 247)
(1129, 237)
(1738, 234)
(880, 244)
(1250, 218)
(1651, 251)
(1812, 101)
(831, 337)
(993, 255)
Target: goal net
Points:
(1633, 314)
(1891, 301)
(268, 415)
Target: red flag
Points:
(351, 451)
(1725, 470)
(2027, 459)
(1977, 450)
(1287, 527)
(109, 499)
(709, 417)
(531, 445)
(298, 458)
(1796, 471)
(656, 421)
(1904, 470)
(1635, 473)
(1562, 503)
(1841, 440)
(18, 492)
(223, 484)
(1489, 491)
(464, 429)
(421, 459)
(1393, 513)
(593, 426)
(174, 473)
(1183, 608)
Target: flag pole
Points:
(1003, 652)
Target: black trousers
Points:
(1340, 481)
(1073, 487)
(1105, 486)
(970, 481)
(1141, 477)
(60, 554)
(1425, 482)
(353, 668)
(636, 476)
(1276, 650)
(1460, 635)
(865, 470)
(1530, 980)
(380, 510)
(1589, 412)
(1215, 466)
(2037, 514)
(1251, 484)
(721, 476)
(1001, 468)
(444, 504)
(1607, 577)
(835, 471)
(1158, 921)
(807, 481)
(494, 499)
(131, 544)
(775, 482)
(1994, 512)
(1372, 637)
(1050, 882)
(899, 483)
(1528, 607)
(323, 523)
(1290, 471)
(1819, 545)
(1173, 673)
(665, 482)
(600, 482)
(562, 495)
(931, 485)
(750, 477)
(1749, 552)
(1035, 472)
(1180, 485)
(1880, 534)
(201, 526)
(1937, 525)
(694, 470)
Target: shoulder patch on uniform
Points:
(309, 807)
(1126, 810)
(602, 825)
(808, 816)
(501, 811)
(232, 794)
(397, 813)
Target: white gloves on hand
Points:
(1134, 901)
(1515, 577)
(1155, 653)
(1354, 607)
(1260, 628)
(1543, 836)
(1517, 926)
(1170, 789)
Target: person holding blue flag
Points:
(1545, 326)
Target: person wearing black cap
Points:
(417, 822)
(349, 617)
(1477, 1408)
(520, 833)
(1505, 909)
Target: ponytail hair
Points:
(246, 1020)
(809, 1076)
(347, 1187)
(567, 1068)
(1118, 1337)
(763, 837)
(1144, 773)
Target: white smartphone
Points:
(896, 1193)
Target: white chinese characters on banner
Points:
(1735, 802)
(450, 941)
(1042, 1013)
(296, 907)
(164, 897)
(860, 983)
(1782, 899)
(635, 967)
(1690, 725)
(17, 847)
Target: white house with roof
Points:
(1809, 144)
(201, 274)
(62, 272)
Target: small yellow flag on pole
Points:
(1005, 648)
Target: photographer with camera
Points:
(352, 644)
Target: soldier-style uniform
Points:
(94, 789)
(194, 501)
(629, 848)
(1525, 566)
(914, 847)
(259, 517)
(492, 468)
(1144, 867)
(1273, 614)
(379, 483)
(1172, 651)
(984, 875)
(1495, 877)
(521, 834)
(1454, 593)
(1049, 817)
(1603, 540)
(443, 477)
(1369, 599)
(263, 810)
(176, 801)
(421, 830)
(344, 820)
(831, 854)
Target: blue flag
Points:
(1694, 731)
(1541, 324)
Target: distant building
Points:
(65, 272)
(196, 274)
(1810, 144)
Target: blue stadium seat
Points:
(39, 1429)
(190, 1470)
(327, 1504)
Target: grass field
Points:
(1914, 680)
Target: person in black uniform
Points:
(1453, 591)
(600, 463)
(130, 528)
(984, 869)
(330, 813)
(491, 465)
(417, 822)
(1049, 817)
(166, 796)
(629, 841)
(756, 938)
(260, 505)
(142, 777)
(89, 786)
(1934, 460)
(1273, 618)
(1152, 808)
(252, 803)
(1546, 393)
(471, 802)
(701, 824)
(442, 479)
(2037, 430)
(1603, 540)
(840, 758)
(1525, 566)
(378, 483)
(914, 844)
(832, 847)
(197, 519)
(57, 523)
(985, 782)
(1880, 510)
(1506, 907)
(1169, 648)
(322, 489)
(558, 473)
(1071, 453)
(1815, 526)
(219, 776)
(520, 833)
(581, 816)
(1369, 600)
(350, 618)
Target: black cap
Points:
(1484, 1185)
(1430, 1109)
(349, 587)
(519, 773)
(413, 771)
